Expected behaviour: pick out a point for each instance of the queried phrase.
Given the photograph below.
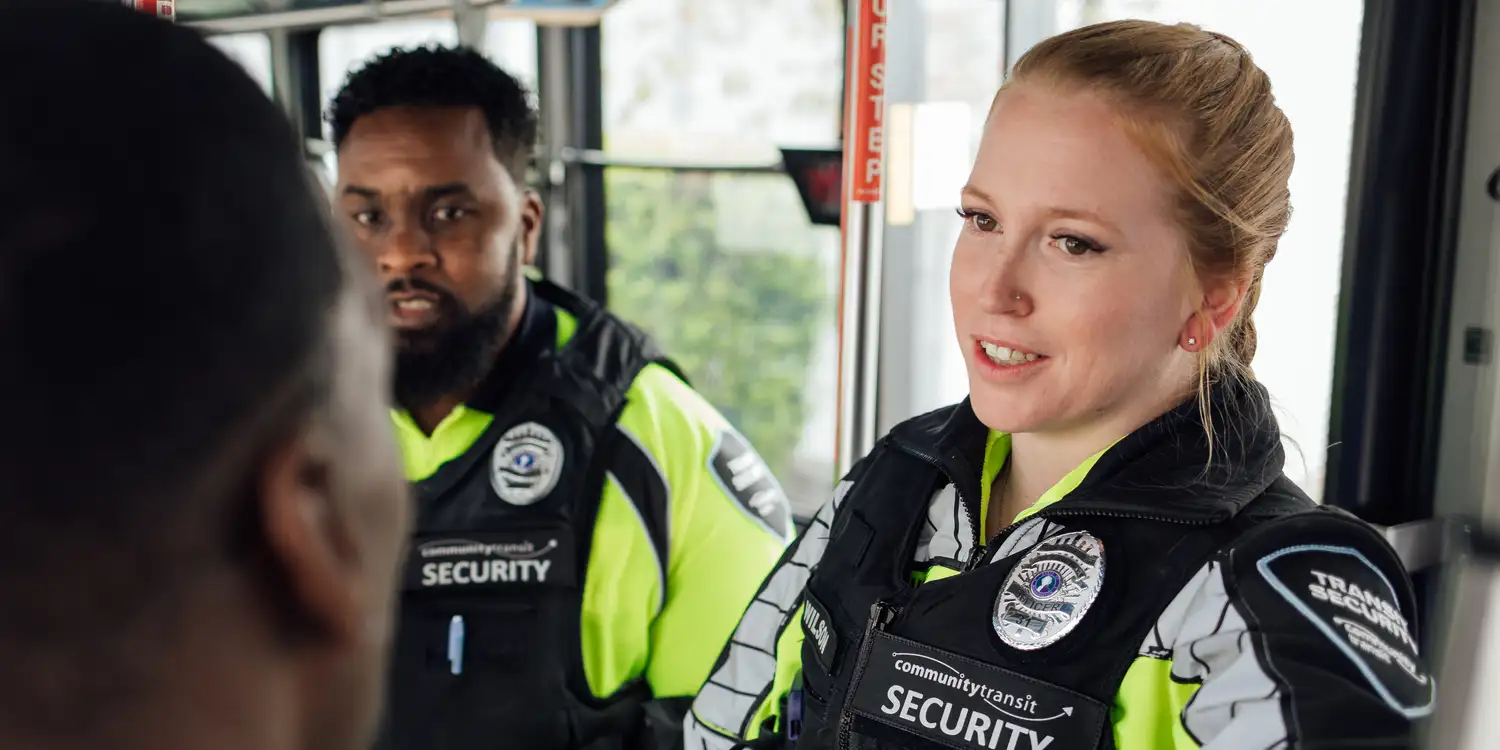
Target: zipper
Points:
(975, 524)
(981, 548)
(880, 616)
(983, 552)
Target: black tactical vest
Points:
(890, 664)
(488, 652)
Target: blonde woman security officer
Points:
(1098, 548)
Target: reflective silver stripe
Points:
(1257, 722)
(697, 736)
(1164, 635)
(1239, 705)
(661, 567)
(742, 680)
(946, 532)
(1026, 536)
(949, 532)
(840, 491)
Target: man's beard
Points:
(456, 353)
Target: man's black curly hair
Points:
(435, 76)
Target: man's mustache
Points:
(412, 284)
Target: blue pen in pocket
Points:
(456, 644)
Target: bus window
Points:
(954, 52)
(723, 267)
(252, 51)
(721, 80)
(341, 49)
(511, 43)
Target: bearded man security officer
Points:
(588, 528)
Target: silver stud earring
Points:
(1192, 341)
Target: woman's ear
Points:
(1220, 305)
(1222, 302)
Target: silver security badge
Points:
(1050, 590)
(526, 464)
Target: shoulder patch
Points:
(1351, 602)
(744, 476)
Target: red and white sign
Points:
(865, 146)
(158, 8)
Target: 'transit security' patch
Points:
(1352, 603)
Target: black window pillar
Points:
(294, 75)
(571, 100)
(1410, 112)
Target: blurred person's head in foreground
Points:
(201, 512)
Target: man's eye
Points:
(449, 213)
(366, 218)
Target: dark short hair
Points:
(434, 76)
(167, 274)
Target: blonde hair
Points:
(1202, 111)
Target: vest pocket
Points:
(817, 686)
(814, 709)
(474, 672)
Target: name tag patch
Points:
(463, 562)
(1350, 601)
(820, 633)
(966, 704)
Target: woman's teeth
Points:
(1007, 357)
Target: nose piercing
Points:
(1018, 297)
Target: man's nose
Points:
(406, 250)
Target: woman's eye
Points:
(1076, 245)
(366, 218)
(980, 220)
